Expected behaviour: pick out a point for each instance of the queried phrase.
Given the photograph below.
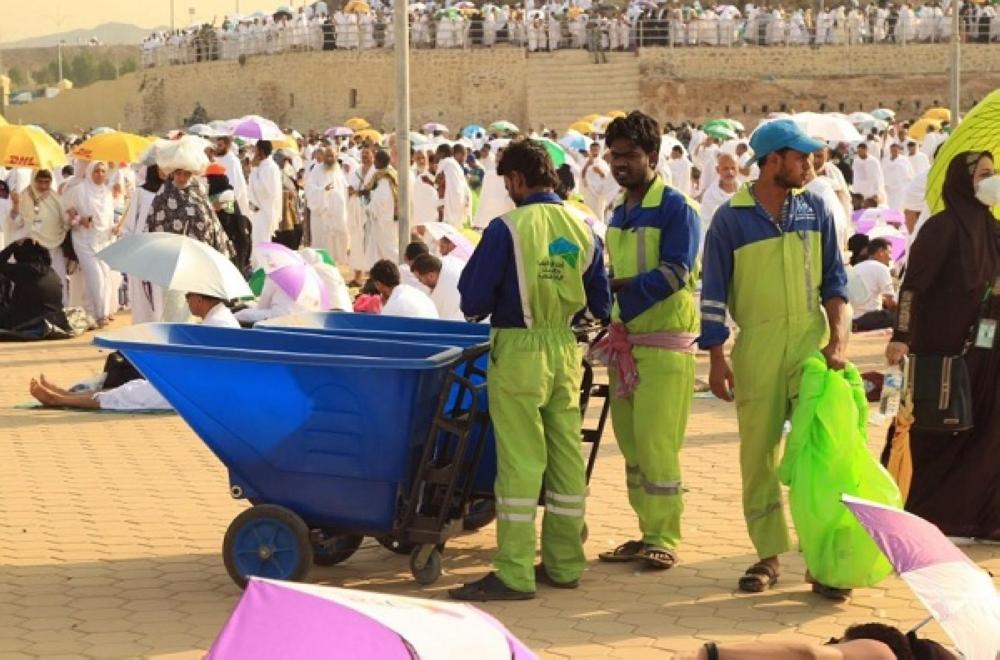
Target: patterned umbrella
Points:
(472, 131)
(30, 147)
(114, 147)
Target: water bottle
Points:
(892, 391)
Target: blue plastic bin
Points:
(326, 426)
(398, 328)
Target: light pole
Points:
(402, 36)
(173, 26)
(954, 81)
(59, 57)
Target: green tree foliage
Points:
(106, 70)
(82, 69)
(16, 76)
(128, 66)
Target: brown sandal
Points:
(657, 557)
(758, 578)
(628, 551)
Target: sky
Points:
(22, 20)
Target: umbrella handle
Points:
(922, 624)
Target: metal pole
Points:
(402, 46)
(59, 51)
(172, 24)
(954, 82)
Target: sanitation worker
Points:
(653, 245)
(772, 260)
(535, 269)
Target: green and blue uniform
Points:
(772, 278)
(656, 244)
(535, 269)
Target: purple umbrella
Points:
(339, 131)
(303, 285)
(866, 219)
(288, 620)
(959, 594)
(254, 127)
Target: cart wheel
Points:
(584, 533)
(431, 569)
(267, 541)
(335, 549)
(395, 545)
(481, 513)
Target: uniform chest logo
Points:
(563, 248)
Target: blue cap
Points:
(782, 134)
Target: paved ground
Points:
(111, 528)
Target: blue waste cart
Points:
(322, 434)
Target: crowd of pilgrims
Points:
(569, 24)
(340, 194)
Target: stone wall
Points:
(317, 90)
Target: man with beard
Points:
(772, 260)
(326, 196)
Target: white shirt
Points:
(868, 180)
(457, 195)
(407, 301)
(265, 194)
(713, 198)
(680, 172)
(821, 187)
(220, 316)
(920, 163)
(445, 294)
(877, 279)
(234, 172)
(273, 302)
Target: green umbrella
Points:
(504, 126)
(556, 152)
(257, 281)
(720, 129)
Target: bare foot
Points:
(52, 387)
(42, 394)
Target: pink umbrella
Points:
(463, 246)
(865, 219)
(959, 594)
(288, 620)
(339, 131)
(432, 127)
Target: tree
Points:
(128, 66)
(106, 70)
(16, 76)
(82, 69)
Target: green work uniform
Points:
(656, 244)
(773, 278)
(533, 380)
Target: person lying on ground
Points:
(137, 394)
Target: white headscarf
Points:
(95, 200)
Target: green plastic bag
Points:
(825, 457)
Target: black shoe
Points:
(489, 588)
(542, 577)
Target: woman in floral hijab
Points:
(182, 208)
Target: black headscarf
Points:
(153, 181)
(973, 220)
(218, 184)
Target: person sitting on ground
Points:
(400, 299)
(441, 277)
(406, 276)
(136, 394)
(857, 245)
(877, 309)
(36, 293)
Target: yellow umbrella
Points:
(582, 127)
(357, 7)
(617, 114)
(369, 134)
(31, 147)
(941, 114)
(919, 129)
(287, 142)
(357, 124)
(114, 147)
(591, 118)
(3, 122)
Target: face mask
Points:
(988, 191)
